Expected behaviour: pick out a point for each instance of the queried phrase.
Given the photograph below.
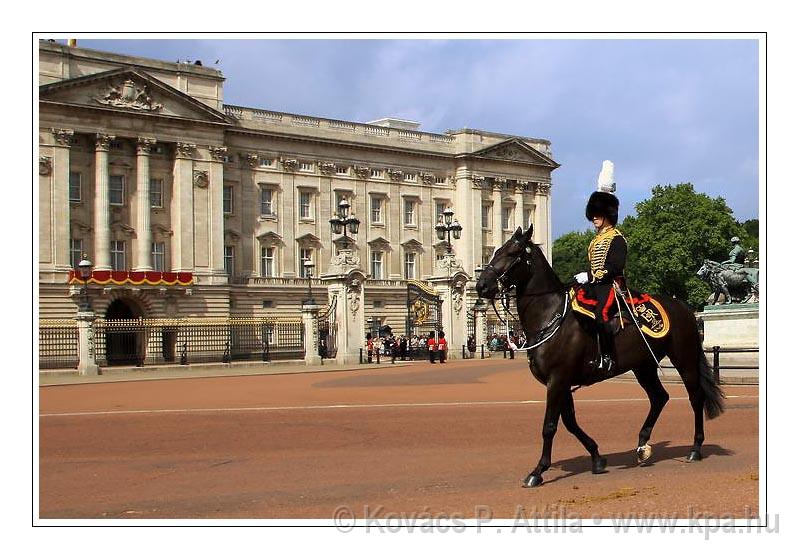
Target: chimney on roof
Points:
(393, 122)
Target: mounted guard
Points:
(608, 252)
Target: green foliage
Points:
(671, 234)
(750, 239)
(570, 254)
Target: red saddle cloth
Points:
(648, 312)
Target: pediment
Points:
(309, 239)
(129, 90)
(270, 238)
(515, 149)
(379, 242)
(412, 244)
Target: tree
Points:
(668, 238)
(671, 234)
(570, 254)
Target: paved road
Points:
(439, 439)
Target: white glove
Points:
(582, 277)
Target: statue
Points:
(739, 285)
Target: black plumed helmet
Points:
(603, 204)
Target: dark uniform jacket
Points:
(607, 253)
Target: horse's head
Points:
(502, 271)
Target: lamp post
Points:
(309, 266)
(85, 272)
(446, 226)
(344, 222)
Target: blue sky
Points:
(665, 111)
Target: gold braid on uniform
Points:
(598, 250)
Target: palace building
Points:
(191, 207)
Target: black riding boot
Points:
(605, 362)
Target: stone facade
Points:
(143, 167)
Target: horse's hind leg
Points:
(571, 424)
(647, 377)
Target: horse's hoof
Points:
(693, 456)
(643, 453)
(533, 480)
(599, 465)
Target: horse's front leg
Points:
(555, 398)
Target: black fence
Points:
(58, 344)
(142, 342)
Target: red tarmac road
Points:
(440, 439)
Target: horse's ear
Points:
(518, 232)
(529, 233)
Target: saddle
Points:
(650, 314)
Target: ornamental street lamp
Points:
(445, 226)
(85, 272)
(344, 222)
(309, 266)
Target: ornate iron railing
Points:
(163, 341)
(58, 344)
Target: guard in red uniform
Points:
(442, 348)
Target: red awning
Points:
(129, 277)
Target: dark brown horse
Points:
(564, 346)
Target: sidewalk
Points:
(153, 373)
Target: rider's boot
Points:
(604, 364)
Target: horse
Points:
(562, 345)
(738, 285)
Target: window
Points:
(75, 252)
(377, 265)
(156, 193)
(267, 202)
(410, 177)
(506, 217)
(486, 210)
(376, 173)
(439, 180)
(341, 170)
(267, 261)
(306, 254)
(305, 205)
(487, 256)
(265, 162)
(229, 259)
(227, 199)
(440, 208)
(74, 186)
(157, 250)
(306, 166)
(267, 303)
(408, 212)
(411, 266)
(116, 190)
(375, 205)
(118, 255)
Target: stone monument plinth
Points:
(732, 325)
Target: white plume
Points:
(605, 181)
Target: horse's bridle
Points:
(504, 289)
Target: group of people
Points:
(510, 342)
(404, 348)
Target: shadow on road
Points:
(662, 451)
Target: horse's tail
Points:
(714, 404)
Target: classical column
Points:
(519, 213)
(59, 167)
(182, 211)
(143, 234)
(541, 219)
(102, 235)
(497, 216)
(217, 217)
